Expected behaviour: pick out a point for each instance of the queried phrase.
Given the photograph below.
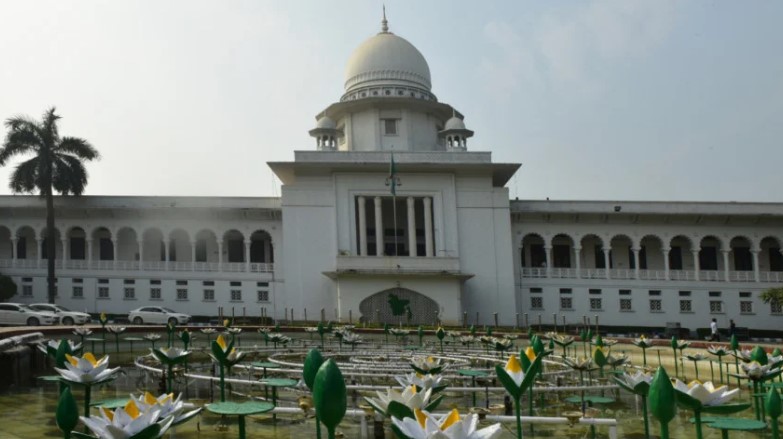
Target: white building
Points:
(447, 245)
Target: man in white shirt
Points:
(714, 330)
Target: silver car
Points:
(18, 314)
(67, 317)
(157, 315)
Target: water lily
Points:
(581, 364)
(276, 338)
(86, 369)
(82, 332)
(422, 382)
(310, 329)
(208, 331)
(398, 332)
(352, 339)
(410, 398)
(427, 365)
(637, 383)
(168, 406)
(755, 371)
(454, 334)
(503, 344)
(234, 331)
(707, 394)
(51, 346)
(268, 330)
(128, 423)
(226, 356)
(152, 337)
(467, 340)
(171, 355)
(643, 343)
(116, 329)
(616, 360)
(449, 426)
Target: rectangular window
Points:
(685, 293)
(566, 303)
(77, 248)
(536, 290)
(76, 280)
(565, 290)
(685, 306)
(655, 292)
(536, 303)
(182, 294)
(595, 304)
(743, 260)
(154, 281)
(775, 259)
(262, 284)
(675, 258)
(209, 283)
(716, 307)
(129, 282)
(78, 292)
(236, 284)
(236, 295)
(103, 281)
(625, 305)
(776, 307)
(625, 292)
(182, 282)
(746, 307)
(745, 294)
(537, 255)
(130, 293)
(155, 294)
(561, 255)
(389, 127)
(594, 291)
(715, 294)
(27, 290)
(103, 292)
(655, 305)
(263, 296)
(708, 258)
(105, 249)
(209, 295)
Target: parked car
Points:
(67, 317)
(20, 314)
(157, 315)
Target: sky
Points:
(603, 100)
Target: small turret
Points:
(325, 133)
(455, 134)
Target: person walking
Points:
(732, 328)
(714, 330)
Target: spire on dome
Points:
(384, 23)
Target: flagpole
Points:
(394, 212)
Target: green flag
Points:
(392, 180)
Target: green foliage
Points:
(772, 295)
(8, 288)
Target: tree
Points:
(774, 295)
(56, 165)
(7, 288)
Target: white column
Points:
(665, 252)
(193, 255)
(88, 243)
(696, 268)
(65, 250)
(606, 260)
(755, 254)
(378, 228)
(114, 253)
(247, 255)
(362, 226)
(577, 259)
(635, 251)
(220, 255)
(268, 250)
(168, 255)
(725, 264)
(411, 228)
(428, 227)
(14, 242)
(40, 248)
(548, 260)
(140, 243)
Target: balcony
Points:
(179, 266)
(404, 266)
(632, 274)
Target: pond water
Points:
(29, 410)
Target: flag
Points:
(392, 181)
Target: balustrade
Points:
(120, 265)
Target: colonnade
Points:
(410, 224)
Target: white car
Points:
(18, 314)
(67, 317)
(157, 315)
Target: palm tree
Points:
(56, 165)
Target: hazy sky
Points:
(650, 100)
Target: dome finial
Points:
(384, 23)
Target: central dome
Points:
(387, 65)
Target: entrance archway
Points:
(397, 305)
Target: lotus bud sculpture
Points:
(440, 334)
(170, 357)
(185, 337)
(662, 400)
(312, 363)
(329, 396)
(772, 405)
(67, 415)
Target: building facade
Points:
(392, 219)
